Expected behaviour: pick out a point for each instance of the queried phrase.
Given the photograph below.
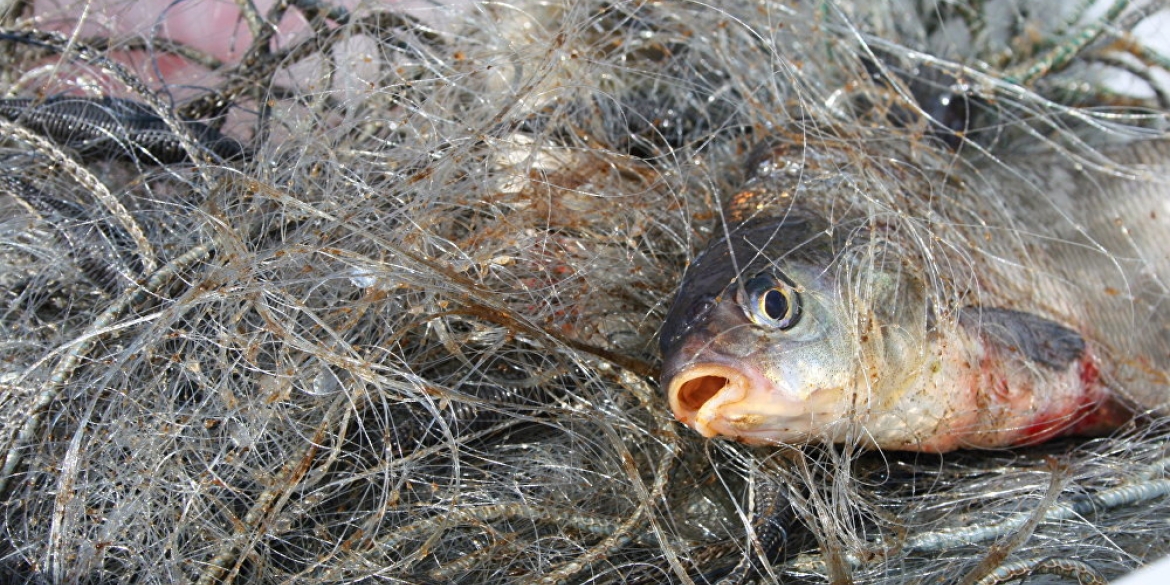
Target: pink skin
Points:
(211, 26)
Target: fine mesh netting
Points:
(369, 293)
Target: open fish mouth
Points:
(698, 392)
(735, 402)
(699, 385)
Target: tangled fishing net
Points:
(405, 333)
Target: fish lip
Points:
(690, 394)
(746, 405)
(702, 401)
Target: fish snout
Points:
(716, 399)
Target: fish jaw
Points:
(697, 395)
(718, 400)
(741, 398)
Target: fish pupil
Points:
(775, 304)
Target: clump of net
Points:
(409, 336)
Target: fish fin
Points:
(1039, 340)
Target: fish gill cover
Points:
(326, 294)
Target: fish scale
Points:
(944, 302)
(1110, 242)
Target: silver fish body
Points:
(895, 295)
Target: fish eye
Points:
(772, 301)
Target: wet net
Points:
(362, 294)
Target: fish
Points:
(890, 292)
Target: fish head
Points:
(761, 362)
(758, 346)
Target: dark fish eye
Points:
(773, 302)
